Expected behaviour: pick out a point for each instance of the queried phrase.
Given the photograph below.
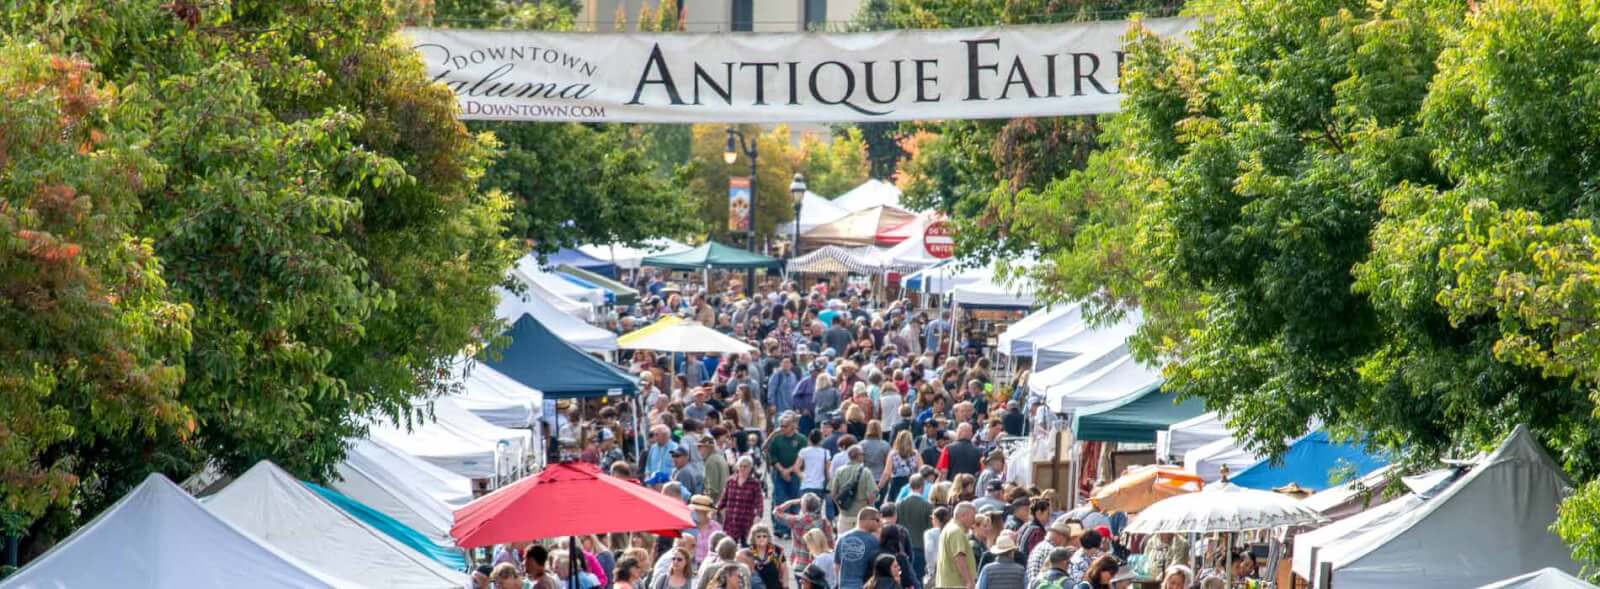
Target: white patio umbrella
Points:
(1223, 507)
(683, 337)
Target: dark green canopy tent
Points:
(1134, 418)
(713, 255)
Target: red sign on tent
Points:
(939, 240)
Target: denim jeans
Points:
(782, 491)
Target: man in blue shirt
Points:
(855, 550)
(658, 457)
(936, 331)
(780, 388)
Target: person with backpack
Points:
(1034, 531)
(853, 488)
(1054, 577)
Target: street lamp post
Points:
(797, 190)
(730, 153)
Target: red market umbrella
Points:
(567, 499)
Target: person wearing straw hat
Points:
(1004, 572)
(1061, 535)
(703, 509)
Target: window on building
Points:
(816, 15)
(744, 15)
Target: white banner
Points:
(1003, 72)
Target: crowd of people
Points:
(857, 447)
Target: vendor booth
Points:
(1510, 496)
(414, 492)
(158, 537)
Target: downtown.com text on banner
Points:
(1001, 72)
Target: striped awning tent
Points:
(831, 259)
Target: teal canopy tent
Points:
(1134, 418)
(400, 532)
(713, 255)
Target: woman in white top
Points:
(889, 402)
(814, 466)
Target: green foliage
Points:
(776, 162)
(834, 167)
(92, 346)
(1376, 216)
(318, 208)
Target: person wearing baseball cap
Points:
(993, 498)
(1060, 535)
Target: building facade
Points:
(712, 16)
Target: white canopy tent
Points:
(815, 210)
(417, 493)
(993, 294)
(1545, 578)
(495, 397)
(1352, 497)
(1510, 496)
(942, 279)
(872, 193)
(1018, 338)
(908, 255)
(449, 413)
(628, 257)
(158, 537)
(1208, 460)
(570, 328)
(1189, 434)
(528, 270)
(447, 447)
(1117, 377)
(536, 290)
(1083, 348)
(275, 507)
(1081, 338)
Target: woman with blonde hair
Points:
(770, 563)
(902, 462)
(940, 495)
(966, 488)
(821, 551)
(855, 420)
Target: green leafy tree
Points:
(92, 348)
(776, 163)
(320, 212)
(1372, 216)
(834, 166)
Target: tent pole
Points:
(572, 562)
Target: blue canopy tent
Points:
(1311, 463)
(1135, 418)
(577, 259)
(401, 533)
(541, 360)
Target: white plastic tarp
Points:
(569, 327)
(1189, 434)
(1545, 578)
(1018, 338)
(815, 210)
(158, 537)
(528, 270)
(274, 507)
(409, 489)
(872, 193)
(628, 257)
(1511, 497)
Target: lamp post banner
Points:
(996, 72)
